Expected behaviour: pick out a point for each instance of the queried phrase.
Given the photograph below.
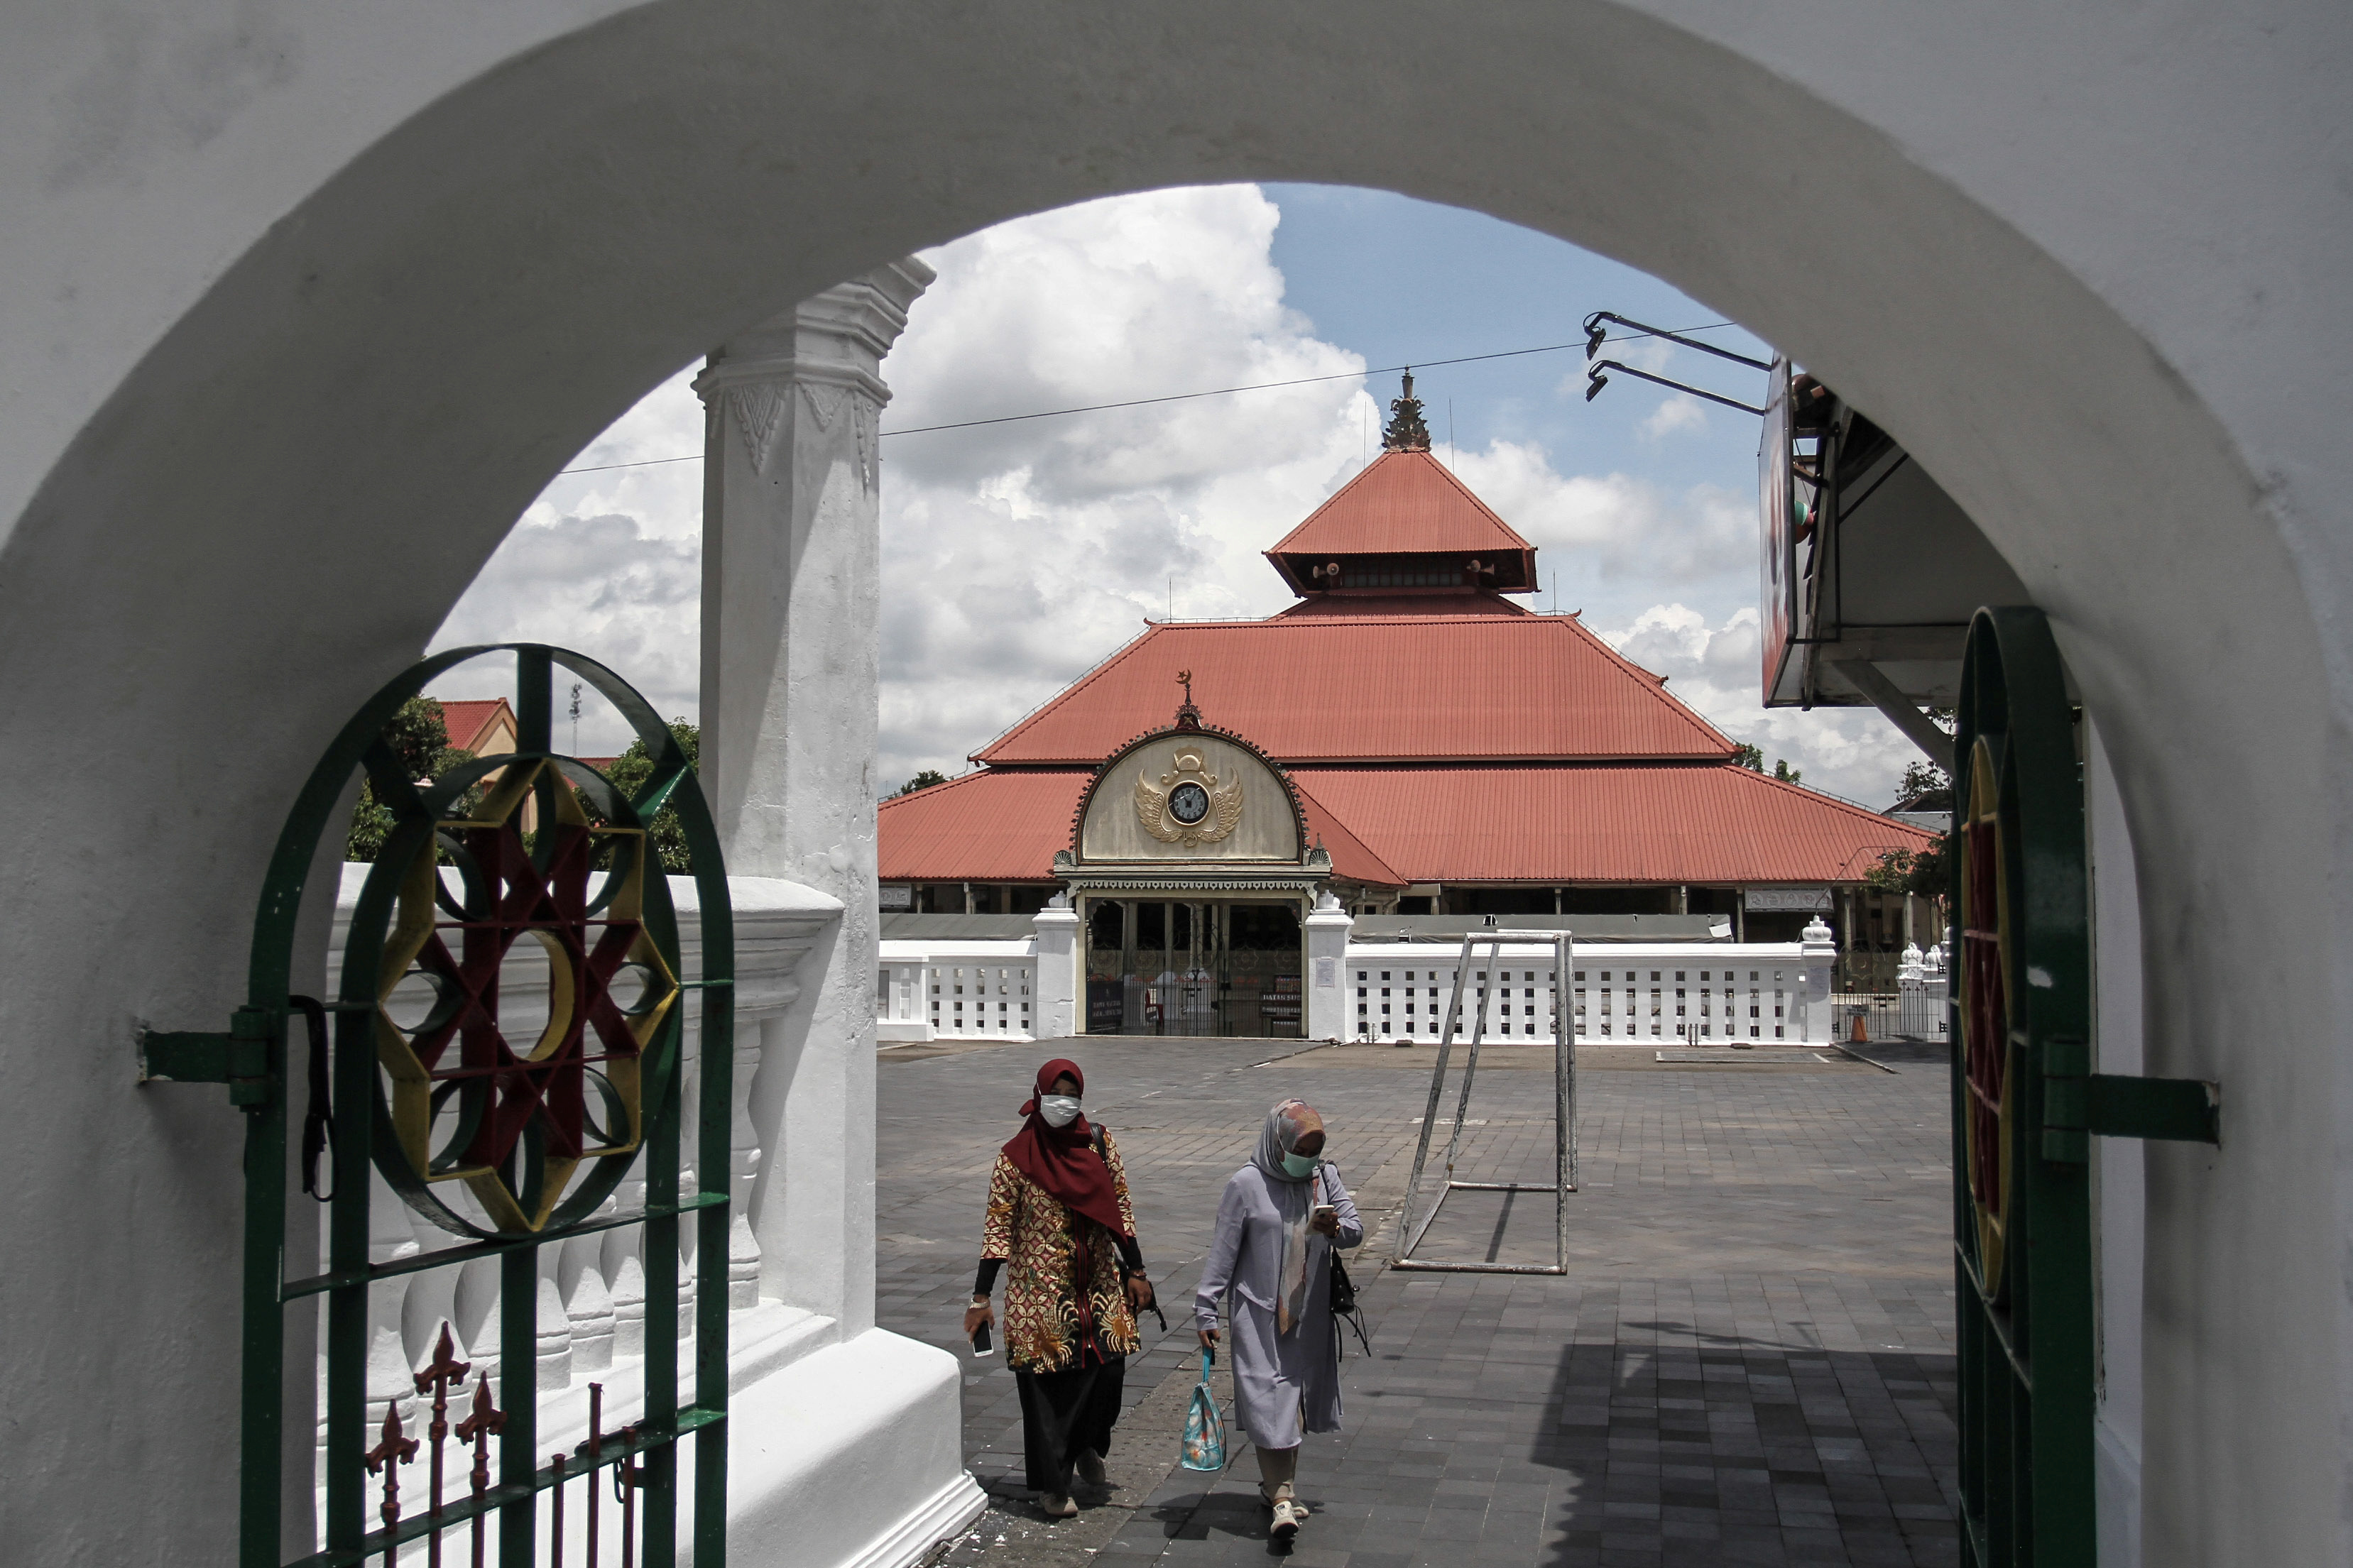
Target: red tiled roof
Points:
(1404, 605)
(991, 827)
(1403, 503)
(1672, 823)
(467, 718)
(1388, 827)
(1375, 688)
(1351, 859)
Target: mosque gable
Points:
(1190, 794)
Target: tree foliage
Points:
(1918, 871)
(924, 780)
(418, 735)
(630, 772)
(1753, 759)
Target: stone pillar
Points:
(791, 563)
(1061, 988)
(1327, 972)
(1819, 956)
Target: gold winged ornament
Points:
(1188, 805)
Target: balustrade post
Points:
(625, 1267)
(742, 1171)
(588, 1303)
(554, 1350)
(391, 1374)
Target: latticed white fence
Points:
(947, 990)
(1653, 993)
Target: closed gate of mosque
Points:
(509, 1129)
(2026, 1105)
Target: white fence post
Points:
(1056, 985)
(1820, 954)
(1327, 964)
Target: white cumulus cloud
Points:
(1717, 670)
(1017, 556)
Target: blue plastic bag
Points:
(1205, 1429)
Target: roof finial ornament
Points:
(1188, 716)
(1405, 431)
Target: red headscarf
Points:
(1063, 1159)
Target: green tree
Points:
(630, 772)
(418, 735)
(924, 780)
(1753, 759)
(1920, 871)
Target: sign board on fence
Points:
(1328, 973)
(1798, 899)
(898, 897)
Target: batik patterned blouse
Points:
(1061, 1271)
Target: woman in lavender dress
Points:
(1280, 1218)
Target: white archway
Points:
(1992, 233)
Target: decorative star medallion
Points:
(513, 1120)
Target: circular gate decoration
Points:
(1990, 1093)
(512, 1118)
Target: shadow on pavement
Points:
(1744, 1451)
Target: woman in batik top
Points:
(1280, 1218)
(1059, 1225)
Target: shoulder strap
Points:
(1098, 1129)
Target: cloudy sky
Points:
(1018, 557)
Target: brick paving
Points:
(1750, 1359)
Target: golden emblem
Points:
(1188, 805)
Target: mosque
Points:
(1406, 738)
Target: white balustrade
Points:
(592, 1288)
(1661, 994)
(958, 990)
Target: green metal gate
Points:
(2026, 1105)
(536, 1135)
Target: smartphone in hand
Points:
(1324, 1212)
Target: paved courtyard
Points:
(1750, 1359)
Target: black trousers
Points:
(1064, 1415)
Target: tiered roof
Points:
(1436, 732)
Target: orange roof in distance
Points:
(989, 826)
(1405, 504)
(1361, 688)
(472, 721)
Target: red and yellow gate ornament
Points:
(515, 1121)
(1989, 1092)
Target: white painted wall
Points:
(2119, 1185)
(299, 309)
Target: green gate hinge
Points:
(2074, 1108)
(239, 1058)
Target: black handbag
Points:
(1341, 1295)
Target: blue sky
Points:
(1019, 556)
(1398, 280)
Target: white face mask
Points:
(1057, 1110)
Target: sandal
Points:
(1054, 1505)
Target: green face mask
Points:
(1299, 1164)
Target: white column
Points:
(1812, 995)
(1058, 984)
(790, 602)
(1327, 971)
